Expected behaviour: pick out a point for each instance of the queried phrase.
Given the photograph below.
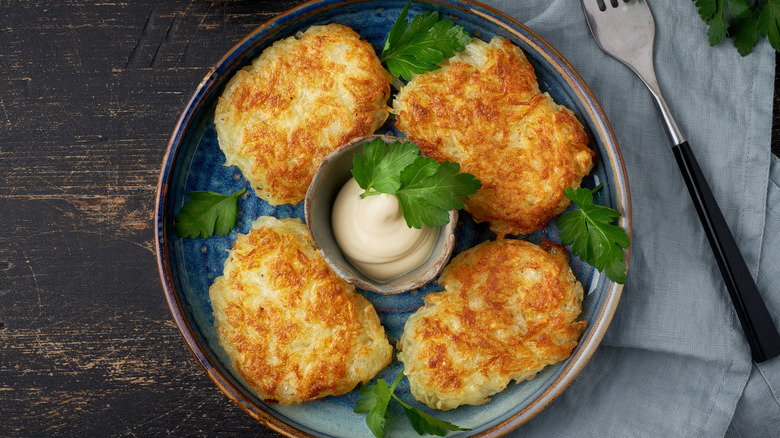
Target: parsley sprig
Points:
(743, 22)
(417, 47)
(376, 397)
(206, 212)
(592, 236)
(426, 190)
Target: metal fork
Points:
(625, 30)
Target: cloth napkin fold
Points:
(675, 361)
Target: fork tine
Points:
(626, 33)
(594, 6)
(602, 4)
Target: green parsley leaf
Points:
(616, 271)
(368, 399)
(207, 212)
(768, 22)
(707, 8)
(429, 190)
(375, 399)
(740, 9)
(424, 423)
(425, 189)
(417, 47)
(377, 416)
(745, 35)
(741, 20)
(592, 236)
(380, 165)
(713, 13)
(416, 208)
(397, 31)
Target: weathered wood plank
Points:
(89, 95)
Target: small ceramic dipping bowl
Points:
(331, 175)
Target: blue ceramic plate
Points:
(189, 266)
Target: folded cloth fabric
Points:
(675, 361)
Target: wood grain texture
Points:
(89, 95)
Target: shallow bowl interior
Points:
(188, 266)
(331, 175)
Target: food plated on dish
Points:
(300, 99)
(484, 330)
(190, 266)
(483, 109)
(293, 330)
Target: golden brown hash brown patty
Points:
(483, 109)
(510, 308)
(300, 99)
(293, 330)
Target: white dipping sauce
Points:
(373, 234)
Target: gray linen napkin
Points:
(674, 361)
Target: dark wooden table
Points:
(89, 95)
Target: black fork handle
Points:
(760, 330)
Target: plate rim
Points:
(601, 321)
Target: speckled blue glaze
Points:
(189, 266)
